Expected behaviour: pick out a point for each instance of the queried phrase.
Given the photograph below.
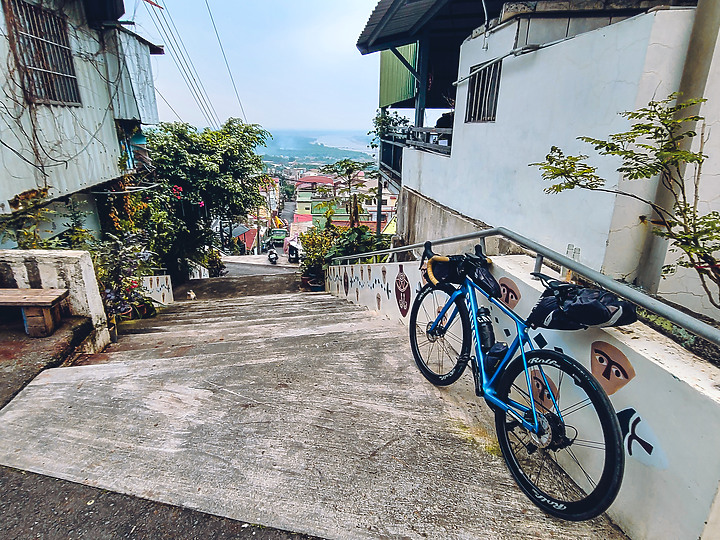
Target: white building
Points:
(76, 89)
(551, 72)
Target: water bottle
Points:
(485, 329)
(494, 356)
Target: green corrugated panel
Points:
(396, 82)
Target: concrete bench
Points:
(40, 308)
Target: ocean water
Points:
(297, 140)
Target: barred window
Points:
(42, 47)
(483, 94)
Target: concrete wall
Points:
(549, 97)
(77, 147)
(73, 270)
(669, 406)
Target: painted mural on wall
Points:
(610, 367)
(510, 292)
(158, 288)
(402, 292)
(648, 399)
(391, 290)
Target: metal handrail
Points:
(689, 323)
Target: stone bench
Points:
(40, 308)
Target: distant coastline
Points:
(316, 146)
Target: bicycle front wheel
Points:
(573, 468)
(441, 350)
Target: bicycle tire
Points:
(440, 358)
(584, 474)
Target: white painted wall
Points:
(550, 97)
(77, 146)
(666, 493)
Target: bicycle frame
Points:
(484, 383)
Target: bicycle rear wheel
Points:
(574, 469)
(440, 354)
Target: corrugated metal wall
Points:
(396, 82)
(76, 147)
(134, 98)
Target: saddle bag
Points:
(575, 308)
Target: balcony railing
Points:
(432, 139)
(391, 148)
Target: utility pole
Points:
(379, 205)
(258, 231)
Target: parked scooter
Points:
(272, 255)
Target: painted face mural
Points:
(510, 292)
(346, 283)
(378, 299)
(610, 367)
(357, 295)
(384, 274)
(362, 272)
(640, 441)
(543, 394)
(402, 292)
(369, 274)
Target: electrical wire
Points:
(183, 68)
(181, 63)
(232, 79)
(187, 54)
(168, 104)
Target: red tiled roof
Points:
(316, 180)
(248, 238)
(302, 218)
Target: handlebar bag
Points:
(580, 307)
(448, 272)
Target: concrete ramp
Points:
(294, 411)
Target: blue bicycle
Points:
(556, 427)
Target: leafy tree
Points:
(352, 176)
(656, 146)
(201, 176)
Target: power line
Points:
(168, 104)
(192, 65)
(232, 79)
(182, 64)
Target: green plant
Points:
(384, 123)
(356, 240)
(352, 176)
(120, 264)
(214, 263)
(316, 243)
(656, 146)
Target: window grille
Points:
(42, 47)
(483, 94)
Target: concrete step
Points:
(224, 287)
(300, 412)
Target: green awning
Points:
(397, 83)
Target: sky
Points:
(295, 63)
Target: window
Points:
(42, 48)
(483, 93)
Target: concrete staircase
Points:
(296, 411)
